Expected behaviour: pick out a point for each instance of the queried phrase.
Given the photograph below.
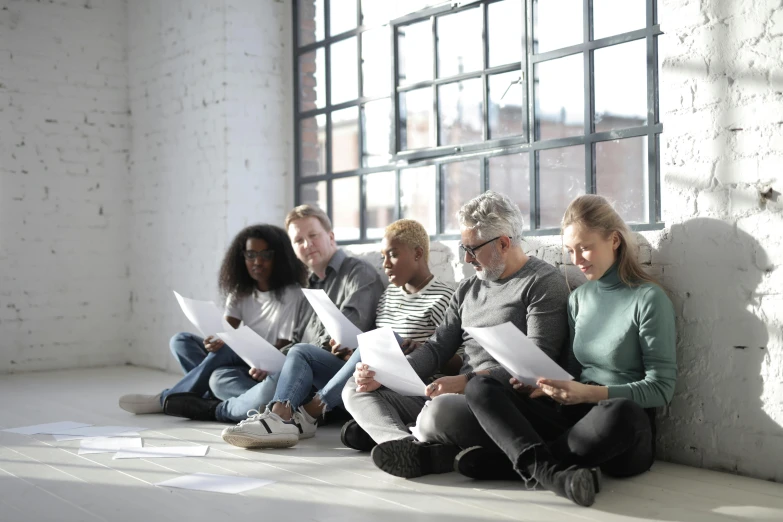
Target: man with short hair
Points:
(352, 284)
(508, 286)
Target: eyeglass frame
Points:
(265, 255)
(472, 250)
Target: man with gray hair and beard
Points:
(508, 286)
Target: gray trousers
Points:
(385, 415)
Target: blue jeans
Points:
(234, 409)
(223, 372)
(308, 366)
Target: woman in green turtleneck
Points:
(561, 433)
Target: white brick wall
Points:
(64, 142)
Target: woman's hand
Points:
(524, 389)
(408, 345)
(445, 385)
(573, 392)
(339, 351)
(213, 343)
(365, 378)
(258, 375)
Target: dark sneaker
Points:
(409, 458)
(190, 406)
(482, 464)
(580, 486)
(353, 436)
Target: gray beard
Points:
(493, 270)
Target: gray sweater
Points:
(534, 299)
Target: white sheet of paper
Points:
(98, 431)
(381, 352)
(162, 452)
(339, 327)
(108, 444)
(518, 354)
(256, 351)
(217, 483)
(204, 315)
(47, 429)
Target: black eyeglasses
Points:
(472, 250)
(266, 255)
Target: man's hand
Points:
(408, 345)
(339, 351)
(573, 392)
(444, 385)
(524, 389)
(365, 378)
(213, 343)
(258, 375)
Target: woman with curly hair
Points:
(261, 279)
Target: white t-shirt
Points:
(414, 316)
(265, 314)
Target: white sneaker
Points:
(306, 426)
(262, 430)
(139, 403)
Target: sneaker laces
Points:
(253, 415)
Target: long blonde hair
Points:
(593, 212)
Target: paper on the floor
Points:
(162, 452)
(204, 315)
(98, 431)
(47, 429)
(339, 327)
(256, 351)
(381, 352)
(216, 483)
(518, 354)
(108, 444)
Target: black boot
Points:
(409, 458)
(191, 406)
(579, 485)
(353, 436)
(483, 464)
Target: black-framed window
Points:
(404, 109)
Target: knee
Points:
(439, 417)
(482, 389)
(179, 342)
(217, 378)
(621, 414)
(302, 351)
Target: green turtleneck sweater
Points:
(624, 338)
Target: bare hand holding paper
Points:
(381, 351)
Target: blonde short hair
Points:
(305, 211)
(411, 233)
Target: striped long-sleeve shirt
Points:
(414, 316)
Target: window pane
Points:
(345, 139)
(415, 48)
(417, 196)
(461, 183)
(312, 80)
(560, 98)
(611, 17)
(345, 208)
(510, 175)
(311, 21)
(313, 194)
(505, 32)
(345, 78)
(505, 105)
(621, 176)
(376, 13)
(557, 24)
(342, 16)
(561, 175)
(312, 142)
(621, 86)
(461, 112)
(377, 133)
(460, 46)
(381, 202)
(416, 119)
(376, 63)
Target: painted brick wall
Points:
(64, 143)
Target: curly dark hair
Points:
(287, 269)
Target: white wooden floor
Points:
(41, 480)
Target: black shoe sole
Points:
(580, 487)
(408, 459)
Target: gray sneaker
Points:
(140, 404)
